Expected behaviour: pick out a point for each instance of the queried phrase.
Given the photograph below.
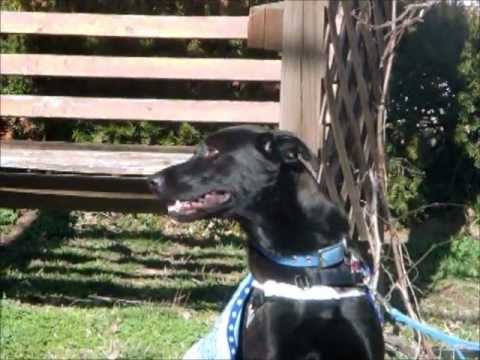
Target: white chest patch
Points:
(272, 288)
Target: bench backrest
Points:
(200, 27)
(111, 177)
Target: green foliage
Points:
(424, 126)
(28, 5)
(463, 260)
(13, 84)
(136, 132)
(11, 5)
(7, 219)
(467, 133)
(10, 44)
(187, 135)
(403, 190)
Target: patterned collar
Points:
(323, 258)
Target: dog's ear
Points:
(291, 149)
(285, 147)
(264, 143)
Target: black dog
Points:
(264, 180)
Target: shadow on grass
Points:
(433, 236)
(45, 267)
(83, 293)
(47, 232)
(158, 235)
(428, 244)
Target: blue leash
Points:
(327, 257)
(456, 343)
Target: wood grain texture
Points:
(134, 26)
(76, 182)
(314, 68)
(140, 67)
(303, 69)
(21, 199)
(256, 27)
(209, 111)
(265, 26)
(360, 81)
(352, 87)
(291, 81)
(74, 160)
(61, 145)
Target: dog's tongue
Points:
(204, 202)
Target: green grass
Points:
(147, 331)
(110, 286)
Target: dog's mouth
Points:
(204, 204)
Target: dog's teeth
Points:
(175, 207)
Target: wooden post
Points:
(304, 65)
(265, 26)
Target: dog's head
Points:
(236, 169)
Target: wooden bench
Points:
(332, 94)
(97, 177)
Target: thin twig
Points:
(428, 252)
(377, 243)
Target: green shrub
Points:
(8, 217)
(467, 133)
(10, 5)
(463, 260)
(403, 191)
(132, 132)
(433, 121)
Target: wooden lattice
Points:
(331, 90)
(350, 141)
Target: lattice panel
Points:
(353, 84)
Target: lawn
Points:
(111, 286)
(105, 285)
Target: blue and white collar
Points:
(323, 258)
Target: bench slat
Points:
(74, 159)
(209, 111)
(74, 182)
(66, 146)
(136, 26)
(140, 67)
(21, 199)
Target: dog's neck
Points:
(297, 222)
(291, 223)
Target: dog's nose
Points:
(157, 182)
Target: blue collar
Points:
(323, 258)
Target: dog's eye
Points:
(211, 152)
